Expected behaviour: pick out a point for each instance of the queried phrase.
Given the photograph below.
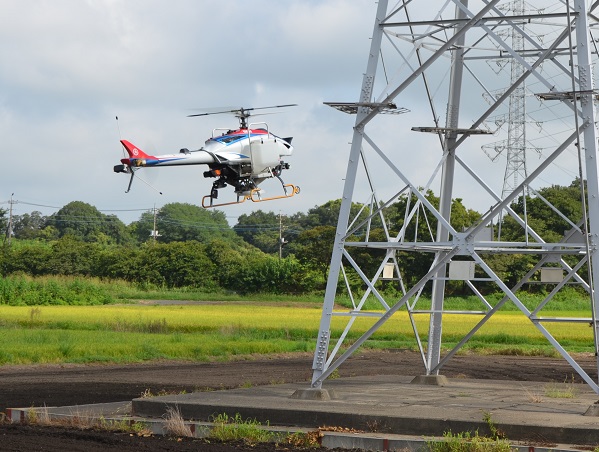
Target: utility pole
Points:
(282, 241)
(9, 228)
(154, 234)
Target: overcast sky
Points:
(69, 67)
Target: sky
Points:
(69, 68)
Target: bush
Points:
(27, 291)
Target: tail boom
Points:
(138, 158)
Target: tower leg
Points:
(319, 365)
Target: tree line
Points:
(183, 245)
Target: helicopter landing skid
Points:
(290, 190)
(240, 199)
(293, 190)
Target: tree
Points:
(314, 247)
(462, 217)
(72, 256)
(29, 226)
(176, 265)
(233, 261)
(32, 259)
(85, 222)
(541, 217)
(260, 229)
(327, 215)
(544, 221)
(180, 222)
(3, 221)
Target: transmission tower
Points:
(395, 161)
(514, 147)
(515, 168)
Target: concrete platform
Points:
(387, 412)
(393, 405)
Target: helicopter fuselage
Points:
(242, 158)
(239, 146)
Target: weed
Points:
(375, 426)
(38, 416)
(157, 326)
(174, 424)
(533, 396)
(467, 442)
(34, 315)
(560, 392)
(566, 391)
(31, 416)
(334, 375)
(111, 425)
(66, 349)
(496, 434)
(140, 429)
(148, 393)
(301, 440)
(44, 416)
(83, 419)
(235, 428)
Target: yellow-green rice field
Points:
(133, 333)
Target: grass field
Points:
(222, 331)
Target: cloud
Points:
(68, 67)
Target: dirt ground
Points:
(25, 386)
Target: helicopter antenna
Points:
(118, 128)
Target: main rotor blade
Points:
(274, 106)
(240, 111)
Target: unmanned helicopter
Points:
(242, 158)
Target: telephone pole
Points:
(154, 234)
(10, 226)
(282, 241)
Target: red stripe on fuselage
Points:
(245, 132)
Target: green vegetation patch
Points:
(28, 291)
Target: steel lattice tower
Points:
(514, 147)
(515, 168)
(402, 158)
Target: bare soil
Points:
(25, 386)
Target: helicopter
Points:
(242, 158)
